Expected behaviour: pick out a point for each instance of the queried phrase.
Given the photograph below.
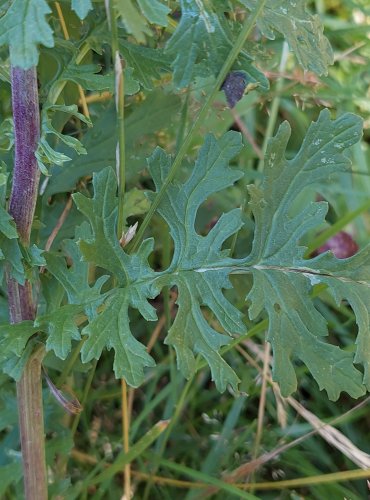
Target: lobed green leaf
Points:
(23, 27)
(303, 32)
(283, 278)
(202, 42)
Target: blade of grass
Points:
(173, 421)
(333, 477)
(275, 105)
(216, 456)
(262, 400)
(135, 450)
(205, 478)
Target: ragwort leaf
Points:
(135, 280)
(111, 329)
(16, 347)
(86, 76)
(45, 154)
(133, 20)
(23, 27)
(147, 64)
(303, 32)
(157, 112)
(14, 337)
(10, 252)
(65, 54)
(136, 19)
(61, 328)
(7, 225)
(75, 277)
(349, 280)
(283, 278)
(154, 11)
(82, 7)
(199, 268)
(59, 323)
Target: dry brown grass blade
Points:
(333, 437)
(325, 430)
(262, 400)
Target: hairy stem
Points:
(26, 173)
(26, 176)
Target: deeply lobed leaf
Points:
(303, 31)
(200, 268)
(202, 42)
(23, 27)
(283, 278)
(134, 277)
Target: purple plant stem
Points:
(26, 176)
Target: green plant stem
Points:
(31, 428)
(275, 105)
(120, 109)
(22, 204)
(70, 362)
(121, 161)
(121, 181)
(333, 478)
(246, 30)
(211, 480)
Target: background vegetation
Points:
(186, 439)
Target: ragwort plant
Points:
(71, 288)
